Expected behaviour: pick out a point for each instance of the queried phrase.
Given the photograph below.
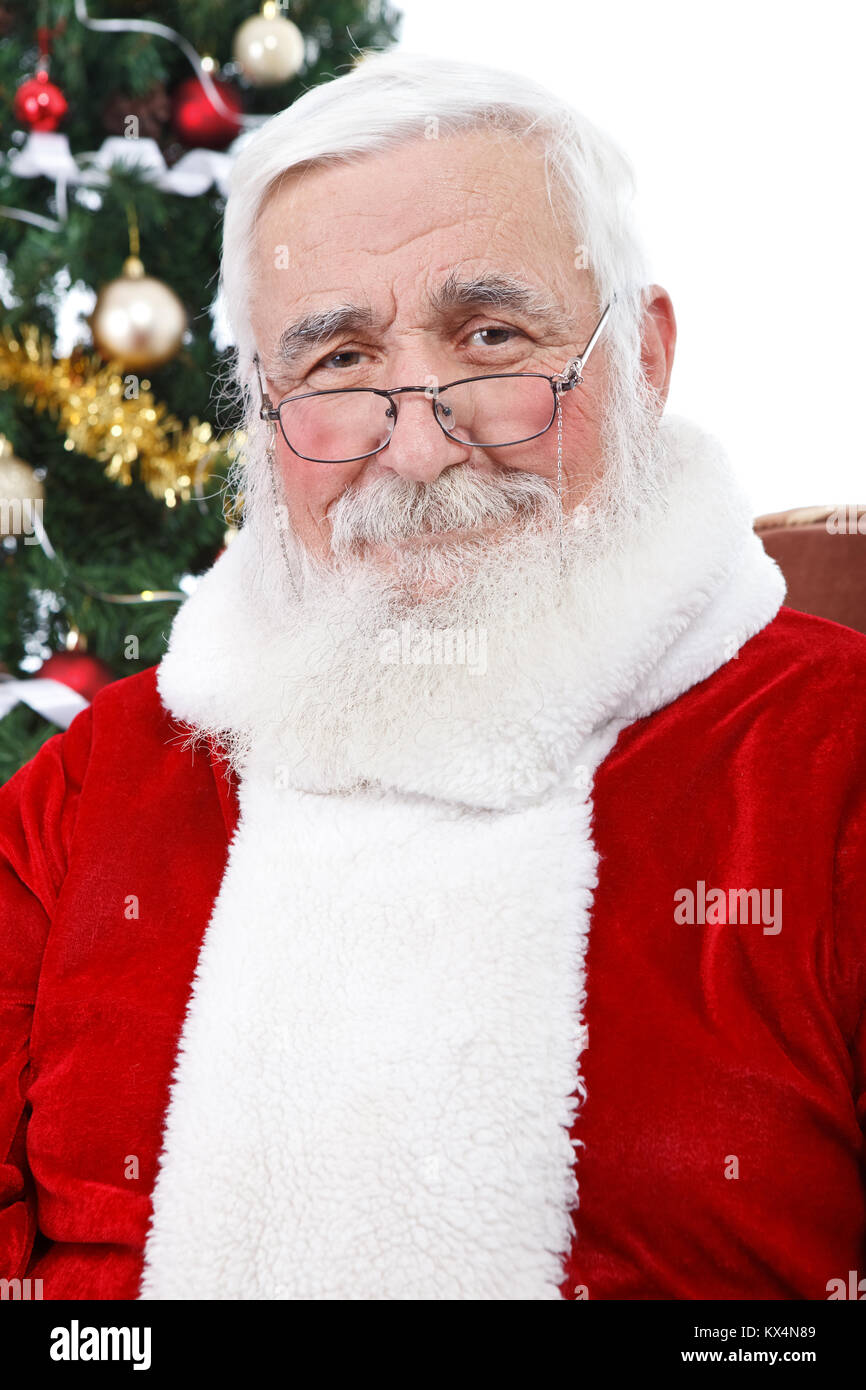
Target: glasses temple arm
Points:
(267, 403)
(597, 330)
(571, 374)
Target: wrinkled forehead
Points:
(390, 223)
(478, 172)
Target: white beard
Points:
(280, 656)
(376, 652)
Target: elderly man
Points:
(470, 905)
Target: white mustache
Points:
(461, 498)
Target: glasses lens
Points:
(336, 426)
(497, 410)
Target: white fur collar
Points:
(380, 1063)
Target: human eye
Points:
(332, 363)
(494, 329)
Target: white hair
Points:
(395, 96)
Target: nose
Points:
(418, 448)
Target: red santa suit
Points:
(509, 1023)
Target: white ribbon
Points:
(48, 153)
(52, 699)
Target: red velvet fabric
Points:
(707, 1043)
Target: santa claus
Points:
(470, 904)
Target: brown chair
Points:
(821, 551)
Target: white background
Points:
(745, 126)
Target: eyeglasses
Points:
(350, 423)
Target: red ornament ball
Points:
(197, 122)
(79, 670)
(39, 103)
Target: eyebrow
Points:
(496, 289)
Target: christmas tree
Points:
(116, 133)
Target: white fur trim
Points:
(374, 1096)
(380, 1062)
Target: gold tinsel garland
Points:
(87, 397)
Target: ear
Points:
(658, 338)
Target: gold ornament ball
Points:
(137, 320)
(19, 490)
(269, 49)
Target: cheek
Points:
(537, 456)
(313, 486)
(580, 444)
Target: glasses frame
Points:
(560, 382)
